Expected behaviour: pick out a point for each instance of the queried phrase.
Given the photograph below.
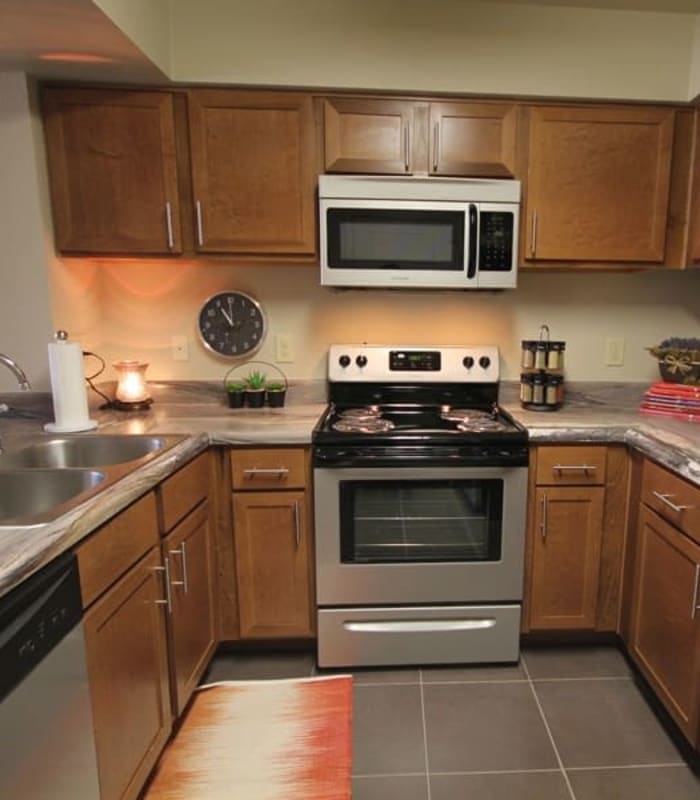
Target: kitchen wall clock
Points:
(232, 324)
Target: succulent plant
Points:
(235, 386)
(255, 381)
(274, 386)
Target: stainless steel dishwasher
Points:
(46, 730)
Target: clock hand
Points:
(228, 317)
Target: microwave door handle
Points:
(473, 220)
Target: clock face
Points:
(232, 324)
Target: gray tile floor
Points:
(567, 723)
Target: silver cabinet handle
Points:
(543, 521)
(695, 608)
(574, 468)
(182, 552)
(436, 145)
(406, 148)
(297, 525)
(200, 227)
(257, 472)
(665, 499)
(169, 225)
(168, 602)
(533, 237)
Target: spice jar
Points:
(538, 389)
(541, 355)
(554, 390)
(555, 355)
(526, 384)
(527, 358)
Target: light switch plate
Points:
(180, 348)
(284, 353)
(614, 352)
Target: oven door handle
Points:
(419, 625)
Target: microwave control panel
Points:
(495, 241)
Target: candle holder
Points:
(132, 391)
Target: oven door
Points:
(419, 535)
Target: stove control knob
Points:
(344, 361)
(484, 362)
(468, 362)
(361, 361)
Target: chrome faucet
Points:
(16, 370)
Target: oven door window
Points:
(395, 239)
(420, 521)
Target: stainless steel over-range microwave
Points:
(418, 232)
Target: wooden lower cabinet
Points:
(566, 557)
(665, 627)
(189, 552)
(273, 557)
(576, 538)
(125, 634)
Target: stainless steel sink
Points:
(34, 495)
(95, 450)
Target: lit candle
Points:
(131, 385)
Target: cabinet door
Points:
(253, 171)
(568, 527)
(191, 622)
(665, 637)
(112, 171)
(598, 183)
(368, 136)
(128, 672)
(273, 555)
(472, 139)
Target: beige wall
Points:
(147, 24)
(25, 303)
(135, 310)
(443, 45)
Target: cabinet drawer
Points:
(672, 498)
(113, 548)
(268, 469)
(570, 466)
(181, 492)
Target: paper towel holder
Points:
(132, 391)
(68, 387)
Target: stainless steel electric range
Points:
(420, 485)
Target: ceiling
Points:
(69, 39)
(74, 39)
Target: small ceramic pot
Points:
(236, 399)
(255, 398)
(275, 398)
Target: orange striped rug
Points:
(261, 740)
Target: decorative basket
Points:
(256, 399)
(678, 365)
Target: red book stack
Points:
(672, 399)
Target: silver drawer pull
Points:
(543, 521)
(183, 555)
(574, 468)
(200, 226)
(255, 472)
(169, 225)
(297, 524)
(665, 499)
(695, 608)
(168, 602)
(419, 625)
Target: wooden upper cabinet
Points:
(598, 183)
(398, 137)
(253, 171)
(368, 136)
(476, 139)
(112, 171)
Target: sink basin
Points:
(98, 450)
(27, 495)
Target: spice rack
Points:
(542, 379)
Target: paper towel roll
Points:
(70, 405)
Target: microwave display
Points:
(395, 239)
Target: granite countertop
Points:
(198, 411)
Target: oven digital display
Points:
(414, 360)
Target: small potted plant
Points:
(255, 389)
(275, 393)
(236, 393)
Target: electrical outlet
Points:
(180, 348)
(283, 349)
(614, 352)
